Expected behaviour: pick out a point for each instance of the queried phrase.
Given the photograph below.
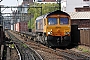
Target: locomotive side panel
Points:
(39, 25)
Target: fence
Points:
(85, 36)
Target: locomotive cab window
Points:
(52, 21)
(64, 21)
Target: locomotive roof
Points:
(51, 13)
(58, 12)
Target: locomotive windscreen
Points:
(52, 21)
(64, 21)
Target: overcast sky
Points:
(10, 3)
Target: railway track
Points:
(72, 55)
(67, 54)
(26, 52)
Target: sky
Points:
(9, 3)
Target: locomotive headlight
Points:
(66, 33)
(51, 29)
(48, 32)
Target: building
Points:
(28, 1)
(78, 6)
(24, 4)
(7, 22)
(31, 1)
(63, 5)
(75, 5)
(82, 19)
(43, 1)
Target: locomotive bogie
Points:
(57, 41)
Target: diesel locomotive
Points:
(54, 28)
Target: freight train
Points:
(53, 29)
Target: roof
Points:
(58, 12)
(51, 13)
(79, 15)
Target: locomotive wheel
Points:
(45, 40)
(37, 38)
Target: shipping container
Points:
(21, 27)
(12, 27)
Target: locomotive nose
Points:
(58, 31)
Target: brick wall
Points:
(81, 23)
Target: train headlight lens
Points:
(48, 32)
(66, 33)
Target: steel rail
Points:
(35, 52)
(16, 49)
(18, 52)
(68, 55)
(26, 51)
(72, 55)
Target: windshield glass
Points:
(64, 21)
(52, 21)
